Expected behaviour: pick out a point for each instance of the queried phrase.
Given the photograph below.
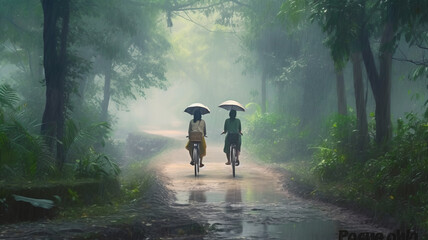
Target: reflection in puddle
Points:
(197, 196)
(234, 209)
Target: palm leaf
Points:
(8, 96)
(78, 139)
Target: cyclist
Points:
(197, 125)
(232, 125)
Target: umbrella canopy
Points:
(232, 105)
(197, 106)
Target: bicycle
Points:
(195, 139)
(234, 140)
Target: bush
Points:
(95, 165)
(23, 154)
(401, 174)
(275, 138)
(394, 182)
(333, 158)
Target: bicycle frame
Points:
(233, 151)
(232, 156)
(195, 157)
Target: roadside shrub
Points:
(401, 174)
(275, 138)
(393, 182)
(95, 165)
(333, 156)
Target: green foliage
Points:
(135, 187)
(95, 165)
(394, 182)
(74, 196)
(402, 172)
(275, 138)
(125, 40)
(79, 138)
(332, 157)
(22, 153)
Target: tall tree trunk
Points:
(341, 97)
(55, 64)
(107, 86)
(385, 65)
(380, 83)
(264, 80)
(360, 104)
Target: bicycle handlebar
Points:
(225, 133)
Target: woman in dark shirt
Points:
(232, 125)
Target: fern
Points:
(78, 139)
(8, 96)
(21, 152)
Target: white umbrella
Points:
(197, 106)
(232, 105)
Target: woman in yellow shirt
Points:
(197, 125)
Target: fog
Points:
(202, 67)
(205, 65)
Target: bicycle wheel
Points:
(195, 157)
(233, 159)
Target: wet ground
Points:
(253, 205)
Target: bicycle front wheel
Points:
(195, 157)
(233, 160)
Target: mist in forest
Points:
(203, 66)
(206, 65)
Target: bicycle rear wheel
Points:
(233, 159)
(195, 158)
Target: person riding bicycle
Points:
(197, 125)
(232, 125)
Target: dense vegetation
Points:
(334, 78)
(377, 163)
(62, 65)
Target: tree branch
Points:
(423, 62)
(198, 24)
(16, 25)
(240, 3)
(181, 8)
(422, 47)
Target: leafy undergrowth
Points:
(135, 180)
(92, 186)
(390, 184)
(275, 137)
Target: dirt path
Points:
(253, 205)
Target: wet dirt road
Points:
(253, 205)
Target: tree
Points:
(55, 35)
(22, 46)
(386, 20)
(127, 50)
